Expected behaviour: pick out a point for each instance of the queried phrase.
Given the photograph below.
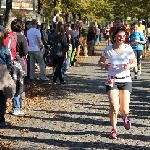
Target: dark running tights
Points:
(58, 63)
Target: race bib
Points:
(110, 81)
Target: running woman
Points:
(121, 59)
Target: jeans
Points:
(37, 55)
(69, 55)
(16, 102)
(64, 66)
(100, 37)
(3, 100)
(97, 40)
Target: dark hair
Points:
(118, 18)
(119, 29)
(1, 38)
(60, 28)
(38, 26)
(92, 29)
(73, 26)
(34, 22)
(43, 26)
(27, 23)
(66, 28)
(17, 25)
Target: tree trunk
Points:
(34, 5)
(40, 10)
(8, 13)
(0, 6)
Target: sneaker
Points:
(127, 123)
(135, 77)
(46, 79)
(67, 72)
(113, 134)
(4, 124)
(18, 112)
(64, 76)
(139, 72)
(63, 82)
(6, 112)
(54, 83)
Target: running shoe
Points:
(127, 123)
(63, 82)
(113, 134)
(135, 77)
(18, 112)
(139, 72)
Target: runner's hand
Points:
(107, 66)
(137, 41)
(127, 66)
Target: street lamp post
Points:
(0, 6)
(34, 5)
(8, 13)
(40, 10)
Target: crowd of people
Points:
(123, 53)
(26, 45)
(22, 46)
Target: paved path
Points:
(75, 116)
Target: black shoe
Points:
(63, 82)
(54, 83)
(135, 77)
(4, 124)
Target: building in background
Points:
(20, 4)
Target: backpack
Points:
(11, 42)
(84, 31)
(57, 47)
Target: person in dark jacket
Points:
(58, 61)
(28, 25)
(19, 68)
(5, 59)
(44, 35)
(45, 40)
(90, 39)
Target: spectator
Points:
(27, 27)
(35, 51)
(44, 37)
(19, 68)
(5, 67)
(90, 39)
(59, 42)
